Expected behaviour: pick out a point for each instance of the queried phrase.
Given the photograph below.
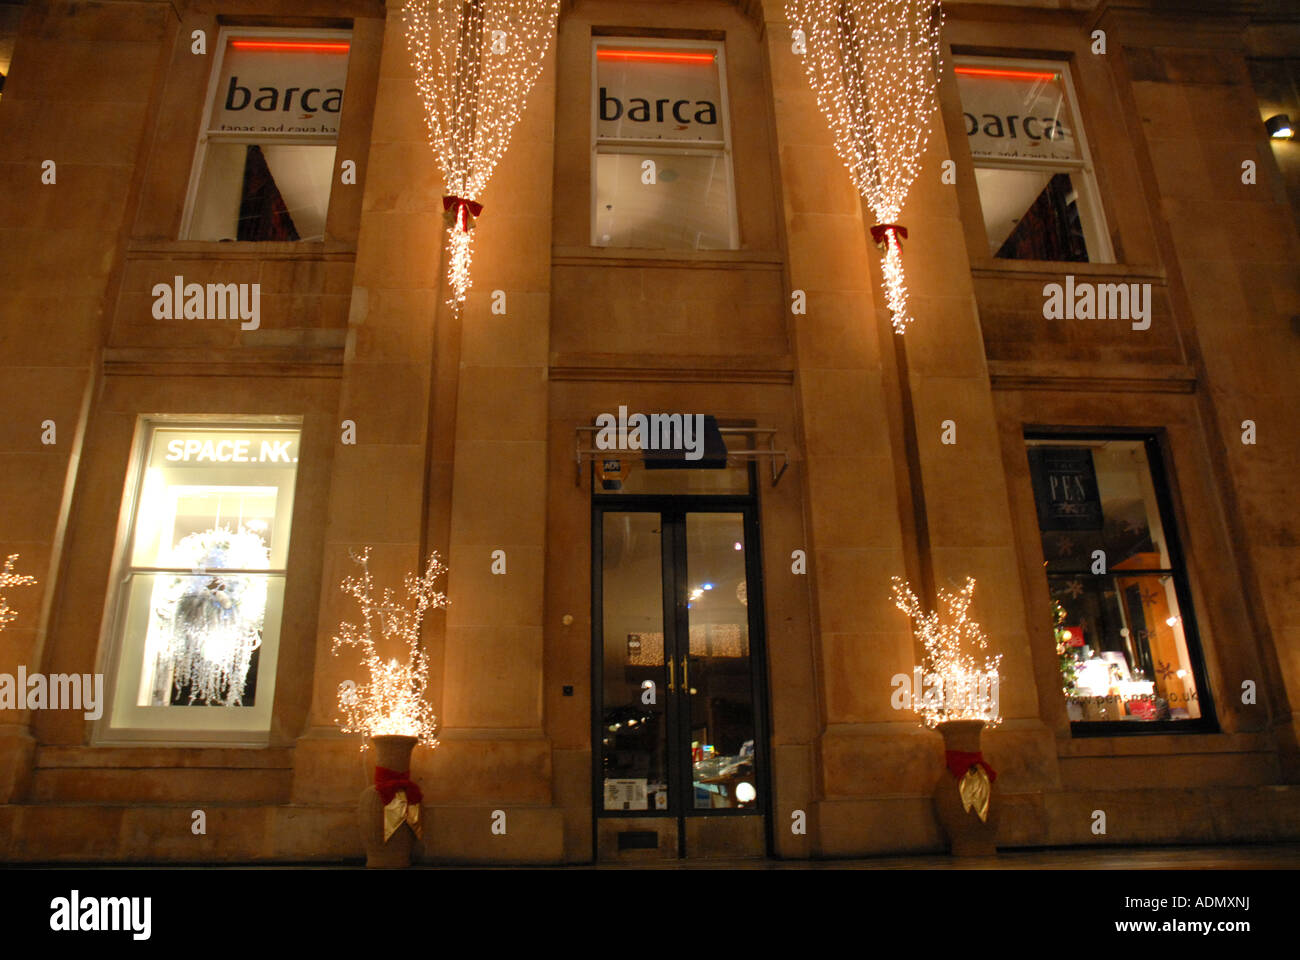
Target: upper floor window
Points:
(265, 159)
(201, 577)
(1126, 639)
(1032, 166)
(661, 146)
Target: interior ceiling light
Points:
(1004, 74)
(655, 56)
(313, 46)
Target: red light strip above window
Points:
(1005, 74)
(313, 46)
(654, 56)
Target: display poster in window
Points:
(1065, 488)
(281, 85)
(649, 92)
(626, 795)
(1016, 114)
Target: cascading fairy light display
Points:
(475, 62)
(10, 579)
(874, 66)
(966, 691)
(393, 702)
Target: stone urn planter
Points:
(965, 798)
(389, 810)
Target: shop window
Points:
(661, 146)
(1125, 636)
(1032, 166)
(201, 590)
(265, 159)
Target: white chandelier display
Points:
(475, 62)
(874, 66)
(212, 620)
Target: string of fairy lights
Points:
(475, 62)
(10, 579)
(965, 689)
(874, 67)
(394, 701)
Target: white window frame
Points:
(113, 640)
(206, 135)
(1096, 235)
(654, 146)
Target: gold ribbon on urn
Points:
(398, 811)
(975, 791)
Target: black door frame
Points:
(673, 509)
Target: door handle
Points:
(670, 674)
(686, 676)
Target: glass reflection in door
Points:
(717, 677)
(633, 722)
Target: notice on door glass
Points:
(625, 795)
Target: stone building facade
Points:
(921, 456)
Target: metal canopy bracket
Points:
(586, 452)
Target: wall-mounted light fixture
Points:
(1279, 127)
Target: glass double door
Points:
(679, 719)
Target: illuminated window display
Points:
(1032, 167)
(1125, 639)
(266, 156)
(202, 584)
(661, 102)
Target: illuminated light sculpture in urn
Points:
(391, 710)
(960, 699)
(475, 62)
(10, 579)
(874, 66)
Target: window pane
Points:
(200, 624)
(267, 165)
(1122, 649)
(634, 733)
(649, 96)
(1097, 496)
(263, 192)
(689, 207)
(281, 84)
(718, 680)
(651, 92)
(1014, 113)
(1032, 215)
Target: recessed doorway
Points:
(679, 722)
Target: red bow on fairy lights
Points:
(882, 233)
(460, 213)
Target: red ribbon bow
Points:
(959, 761)
(881, 231)
(465, 211)
(388, 782)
